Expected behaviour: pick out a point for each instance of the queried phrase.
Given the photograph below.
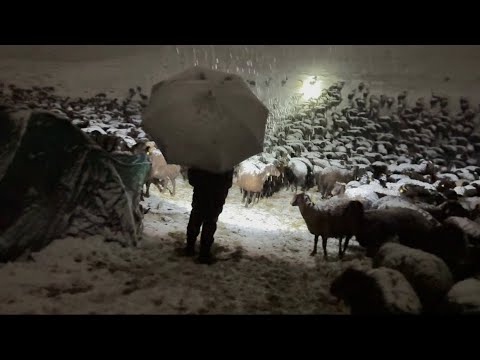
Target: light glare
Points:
(311, 88)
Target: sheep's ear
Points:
(294, 200)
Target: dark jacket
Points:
(206, 180)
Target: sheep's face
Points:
(139, 148)
(445, 184)
(298, 199)
(356, 172)
(453, 208)
(271, 170)
(347, 283)
(295, 201)
(338, 189)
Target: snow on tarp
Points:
(60, 183)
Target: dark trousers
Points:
(207, 205)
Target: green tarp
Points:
(56, 182)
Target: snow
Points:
(398, 177)
(465, 174)
(403, 181)
(460, 190)
(448, 176)
(363, 193)
(264, 267)
(95, 128)
(367, 190)
(470, 203)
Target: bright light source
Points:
(311, 88)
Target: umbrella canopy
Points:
(206, 119)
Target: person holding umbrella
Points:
(209, 121)
(210, 191)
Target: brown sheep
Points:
(408, 226)
(160, 172)
(327, 179)
(333, 218)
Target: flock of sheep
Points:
(113, 124)
(402, 180)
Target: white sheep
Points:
(298, 172)
(464, 297)
(251, 177)
(428, 274)
(376, 291)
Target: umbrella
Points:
(205, 119)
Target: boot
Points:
(205, 256)
(190, 247)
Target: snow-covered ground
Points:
(264, 267)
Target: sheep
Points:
(139, 148)
(160, 172)
(470, 228)
(421, 193)
(460, 246)
(429, 276)
(331, 175)
(184, 172)
(251, 178)
(160, 175)
(408, 226)
(464, 297)
(389, 202)
(380, 291)
(379, 168)
(424, 168)
(366, 194)
(333, 218)
(299, 173)
(446, 209)
(339, 189)
(275, 181)
(110, 143)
